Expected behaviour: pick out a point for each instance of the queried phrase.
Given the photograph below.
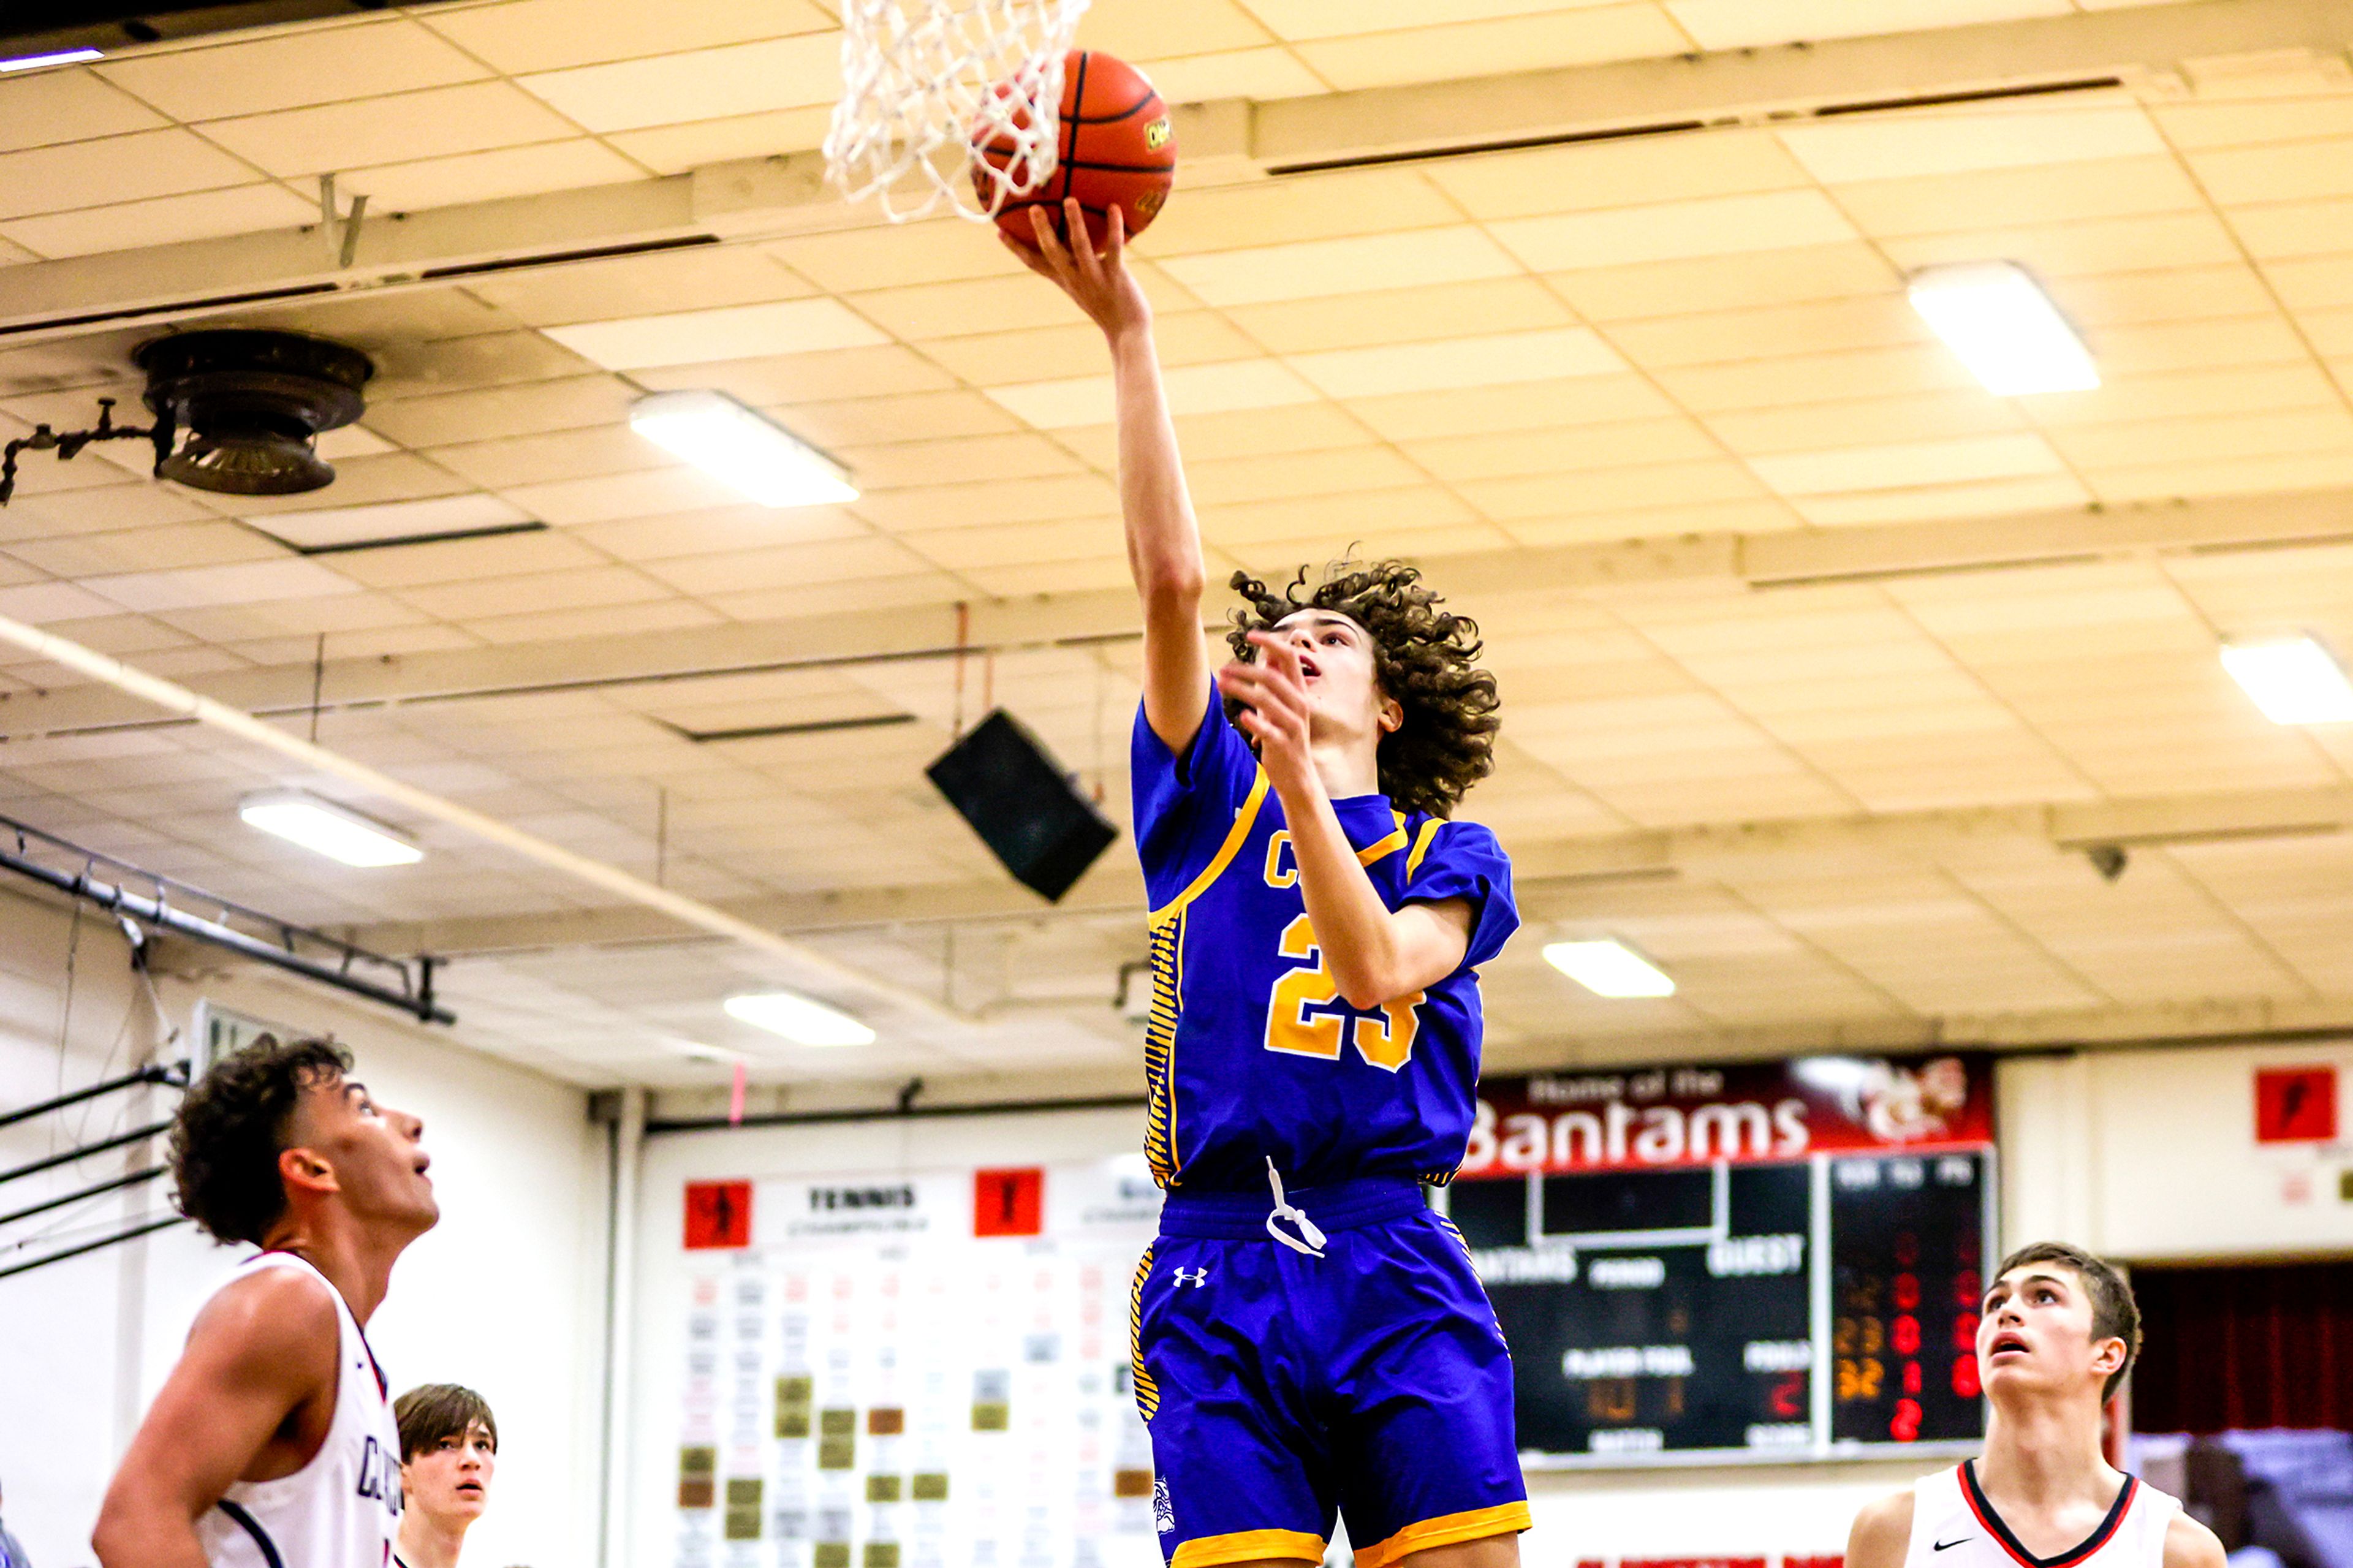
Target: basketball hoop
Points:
(925, 81)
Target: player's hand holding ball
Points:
(1102, 285)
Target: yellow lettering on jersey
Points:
(1279, 875)
(1384, 1038)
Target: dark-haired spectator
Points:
(272, 1444)
(448, 1451)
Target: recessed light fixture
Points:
(329, 829)
(737, 447)
(2294, 680)
(1609, 968)
(2004, 327)
(798, 1019)
(63, 58)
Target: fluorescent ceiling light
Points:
(798, 1019)
(2004, 327)
(63, 58)
(329, 829)
(1609, 969)
(2294, 681)
(738, 447)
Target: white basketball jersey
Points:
(1953, 1526)
(343, 1509)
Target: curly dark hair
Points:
(1423, 655)
(232, 1126)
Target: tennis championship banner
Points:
(1743, 1113)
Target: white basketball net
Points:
(923, 81)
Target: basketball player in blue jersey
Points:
(1310, 1339)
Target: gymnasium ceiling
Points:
(1821, 666)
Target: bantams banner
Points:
(1745, 1113)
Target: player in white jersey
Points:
(272, 1444)
(2058, 1333)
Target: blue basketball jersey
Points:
(1249, 1052)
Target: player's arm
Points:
(2189, 1544)
(1881, 1535)
(1164, 542)
(257, 1352)
(1374, 953)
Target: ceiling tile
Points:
(1563, 450)
(1718, 225)
(589, 587)
(1150, 30)
(797, 378)
(730, 333)
(2296, 171)
(1260, 75)
(403, 128)
(938, 251)
(111, 169)
(243, 583)
(1583, 36)
(1746, 24)
(548, 35)
(67, 105)
(556, 455)
(291, 68)
(487, 176)
(2069, 249)
(712, 276)
(329, 527)
(467, 560)
(1529, 406)
(491, 413)
(1995, 497)
(2195, 127)
(1593, 175)
(2075, 193)
(1951, 141)
(1449, 363)
(1908, 463)
(1360, 263)
(1404, 315)
(1194, 389)
(1870, 322)
(675, 148)
(1297, 208)
(699, 84)
(568, 502)
(717, 529)
(165, 220)
(2289, 228)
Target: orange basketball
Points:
(1117, 150)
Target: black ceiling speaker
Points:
(252, 403)
(1022, 804)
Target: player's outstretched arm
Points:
(1882, 1536)
(1374, 953)
(265, 1347)
(1164, 542)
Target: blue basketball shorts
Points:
(1283, 1389)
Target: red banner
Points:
(1748, 1113)
(718, 1214)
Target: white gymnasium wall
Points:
(506, 1294)
(2148, 1155)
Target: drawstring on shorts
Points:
(1310, 1239)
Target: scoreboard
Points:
(1780, 1261)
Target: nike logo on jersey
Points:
(1947, 1545)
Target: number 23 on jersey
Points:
(1297, 1024)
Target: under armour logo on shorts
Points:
(1192, 1276)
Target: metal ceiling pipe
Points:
(184, 703)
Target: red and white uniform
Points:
(1953, 1526)
(343, 1509)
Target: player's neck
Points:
(1348, 765)
(2046, 1450)
(356, 1259)
(429, 1542)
